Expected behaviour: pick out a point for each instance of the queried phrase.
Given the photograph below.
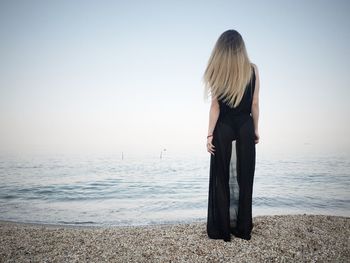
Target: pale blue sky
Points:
(113, 76)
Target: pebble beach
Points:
(275, 238)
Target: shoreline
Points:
(106, 226)
(290, 237)
(82, 226)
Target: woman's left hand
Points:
(210, 146)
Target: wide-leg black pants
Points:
(232, 170)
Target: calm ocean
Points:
(106, 190)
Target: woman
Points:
(233, 82)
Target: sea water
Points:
(116, 190)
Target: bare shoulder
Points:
(255, 68)
(214, 101)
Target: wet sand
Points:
(278, 238)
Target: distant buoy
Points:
(161, 153)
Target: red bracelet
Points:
(209, 136)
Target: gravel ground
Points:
(277, 238)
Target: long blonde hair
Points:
(229, 69)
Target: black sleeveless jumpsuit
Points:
(232, 170)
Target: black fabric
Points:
(232, 170)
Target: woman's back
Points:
(245, 104)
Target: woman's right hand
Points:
(257, 137)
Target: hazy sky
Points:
(113, 76)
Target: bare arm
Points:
(255, 104)
(213, 114)
(213, 117)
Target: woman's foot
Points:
(233, 231)
(227, 239)
(240, 235)
(245, 237)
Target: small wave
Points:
(76, 222)
(8, 197)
